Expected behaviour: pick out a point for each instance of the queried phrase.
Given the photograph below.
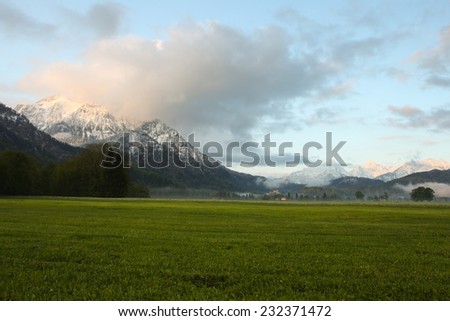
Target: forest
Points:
(82, 175)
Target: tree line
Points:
(82, 175)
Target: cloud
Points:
(353, 50)
(436, 61)
(437, 58)
(200, 77)
(68, 26)
(339, 91)
(405, 111)
(438, 81)
(328, 116)
(412, 117)
(393, 138)
(14, 23)
(397, 73)
(102, 19)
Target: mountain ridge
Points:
(18, 133)
(80, 124)
(84, 123)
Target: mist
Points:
(441, 189)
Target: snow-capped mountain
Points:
(415, 166)
(82, 123)
(79, 124)
(369, 170)
(73, 122)
(154, 134)
(317, 176)
(324, 175)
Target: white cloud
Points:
(209, 77)
(436, 61)
(14, 23)
(102, 19)
(200, 76)
(413, 117)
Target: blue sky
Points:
(376, 74)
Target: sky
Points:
(376, 74)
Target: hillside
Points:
(434, 176)
(80, 124)
(17, 133)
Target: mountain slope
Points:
(369, 170)
(17, 133)
(159, 154)
(317, 176)
(350, 182)
(73, 122)
(433, 176)
(414, 167)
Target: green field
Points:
(91, 249)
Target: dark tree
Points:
(114, 178)
(421, 194)
(84, 175)
(19, 174)
(359, 195)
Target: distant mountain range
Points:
(433, 176)
(324, 175)
(79, 124)
(414, 166)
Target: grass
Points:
(91, 249)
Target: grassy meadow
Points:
(104, 249)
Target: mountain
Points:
(80, 124)
(369, 170)
(414, 167)
(157, 134)
(350, 182)
(317, 176)
(368, 174)
(433, 176)
(158, 152)
(18, 133)
(72, 122)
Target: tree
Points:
(421, 194)
(115, 179)
(83, 175)
(19, 174)
(359, 195)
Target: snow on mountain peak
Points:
(414, 166)
(317, 176)
(79, 123)
(72, 122)
(369, 169)
(11, 115)
(436, 163)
